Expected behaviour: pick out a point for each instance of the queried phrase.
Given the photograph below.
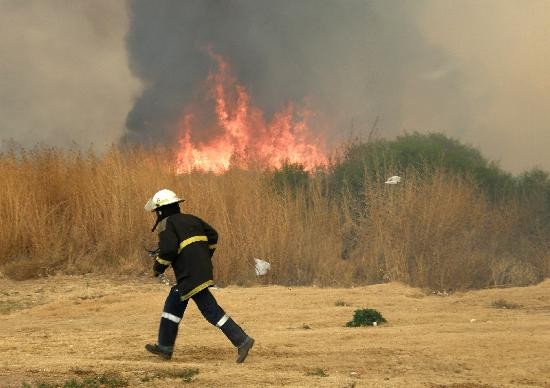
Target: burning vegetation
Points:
(241, 135)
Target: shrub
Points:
(362, 164)
(365, 317)
(291, 177)
(533, 190)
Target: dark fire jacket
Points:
(187, 243)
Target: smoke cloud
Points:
(477, 71)
(64, 75)
(503, 49)
(81, 71)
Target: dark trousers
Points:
(173, 311)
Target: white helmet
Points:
(162, 198)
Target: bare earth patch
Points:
(82, 329)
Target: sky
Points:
(103, 72)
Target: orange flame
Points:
(245, 139)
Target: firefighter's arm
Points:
(212, 236)
(168, 249)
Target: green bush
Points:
(533, 188)
(366, 317)
(291, 177)
(363, 164)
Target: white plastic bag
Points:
(393, 180)
(261, 267)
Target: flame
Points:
(244, 139)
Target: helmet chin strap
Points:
(165, 211)
(159, 218)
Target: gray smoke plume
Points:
(351, 59)
(425, 65)
(64, 74)
(476, 70)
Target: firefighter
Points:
(187, 243)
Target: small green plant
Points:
(186, 374)
(109, 380)
(73, 383)
(366, 317)
(504, 304)
(39, 384)
(47, 385)
(340, 302)
(8, 306)
(81, 372)
(317, 372)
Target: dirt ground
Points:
(88, 330)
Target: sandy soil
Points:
(87, 330)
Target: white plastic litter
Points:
(393, 180)
(261, 267)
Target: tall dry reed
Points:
(439, 231)
(75, 212)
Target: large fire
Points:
(241, 137)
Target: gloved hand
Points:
(158, 269)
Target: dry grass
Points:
(79, 213)
(441, 232)
(429, 341)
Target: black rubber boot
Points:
(242, 351)
(168, 331)
(234, 332)
(238, 338)
(154, 348)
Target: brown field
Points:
(77, 330)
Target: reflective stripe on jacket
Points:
(187, 243)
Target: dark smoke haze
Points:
(476, 70)
(352, 60)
